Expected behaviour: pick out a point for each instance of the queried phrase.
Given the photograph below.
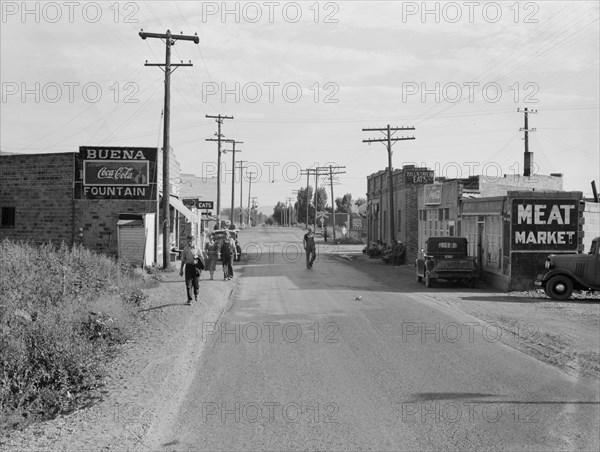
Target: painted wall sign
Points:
(545, 224)
(433, 194)
(116, 173)
(418, 177)
(481, 207)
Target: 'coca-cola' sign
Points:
(114, 172)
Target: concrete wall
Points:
(524, 268)
(591, 223)
(498, 186)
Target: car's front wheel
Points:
(559, 287)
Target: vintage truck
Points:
(446, 258)
(567, 272)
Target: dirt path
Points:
(151, 372)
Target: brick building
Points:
(104, 198)
(405, 184)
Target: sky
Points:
(302, 79)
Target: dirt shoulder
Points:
(149, 374)
(563, 334)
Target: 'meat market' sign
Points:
(545, 224)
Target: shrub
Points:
(63, 311)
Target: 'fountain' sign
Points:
(116, 173)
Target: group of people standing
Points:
(193, 261)
(390, 254)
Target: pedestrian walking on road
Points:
(191, 261)
(228, 252)
(309, 247)
(212, 255)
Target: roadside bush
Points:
(62, 312)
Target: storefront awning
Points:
(178, 205)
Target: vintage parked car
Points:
(446, 258)
(220, 233)
(567, 272)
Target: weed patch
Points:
(63, 311)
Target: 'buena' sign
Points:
(116, 173)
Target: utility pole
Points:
(233, 143)
(250, 177)
(241, 162)
(169, 41)
(219, 140)
(307, 172)
(317, 174)
(254, 206)
(331, 174)
(528, 157)
(389, 140)
(295, 192)
(316, 200)
(288, 213)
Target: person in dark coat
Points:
(228, 252)
(189, 260)
(309, 247)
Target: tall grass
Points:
(62, 311)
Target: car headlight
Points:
(548, 264)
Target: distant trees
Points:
(344, 204)
(300, 205)
(278, 213)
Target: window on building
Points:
(399, 224)
(429, 221)
(8, 217)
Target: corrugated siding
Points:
(131, 244)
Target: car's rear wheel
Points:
(559, 288)
(428, 280)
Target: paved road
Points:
(298, 363)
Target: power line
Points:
(528, 161)
(169, 40)
(331, 174)
(389, 140)
(233, 143)
(219, 119)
